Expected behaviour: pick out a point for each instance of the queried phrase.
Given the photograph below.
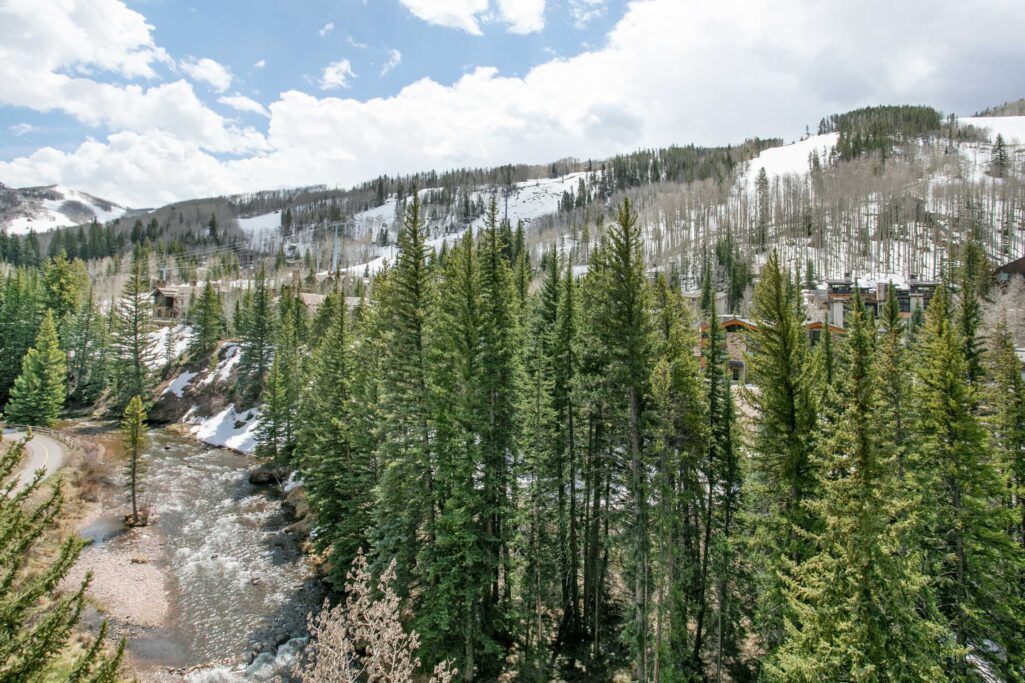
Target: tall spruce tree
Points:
(134, 354)
(498, 382)
(405, 495)
(855, 603)
(782, 464)
(969, 556)
(208, 323)
(38, 394)
(457, 618)
(681, 516)
(623, 327)
(257, 338)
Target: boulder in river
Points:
(267, 475)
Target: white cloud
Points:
(523, 16)
(214, 74)
(337, 75)
(245, 104)
(260, 63)
(19, 129)
(706, 71)
(326, 29)
(459, 14)
(585, 11)
(394, 59)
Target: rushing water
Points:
(240, 588)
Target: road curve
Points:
(42, 452)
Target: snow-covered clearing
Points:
(790, 159)
(1012, 128)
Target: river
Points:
(238, 587)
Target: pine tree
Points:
(783, 475)
(208, 323)
(131, 344)
(133, 431)
(623, 324)
(339, 478)
(405, 497)
(257, 343)
(21, 310)
(1006, 399)
(38, 394)
(969, 556)
(855, 602)
(681, 518)
(455, 616)
(893, 380)
(274, 416)
(36, 615)
(88, 343)
(498, 382)
(1000, 162)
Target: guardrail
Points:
(63, 437)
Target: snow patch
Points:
(228, 429)
(179, 384)
(790, 159)
(1012, 128)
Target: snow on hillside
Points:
(262, 225)
(46, 208)
(527, 201)
(1011, 127)
(790, 159)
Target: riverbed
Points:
(235, 586)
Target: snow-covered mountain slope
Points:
(793, 159)
(41, 209)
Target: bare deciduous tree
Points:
(362, 640)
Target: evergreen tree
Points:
(456, 616)
(681, 518)
(339, 478)
(969, 556)
(257, 339)
(1000, 161)
(1006, 398)
(893, 380)
(21, 310)
(36, 615)
(855, 602)
(783, 473)
(498, 381)
(87, 341)
(131, 344)
(133, 431)
(207, 322)
(405, 497)
(275, 414)
(38, 394)
(623, 326)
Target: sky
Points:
(148, 102)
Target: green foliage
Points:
(38, 394)
(783, 466)
(877, 129)
(133, 432)
(207, 323)
(854, 603)
(36, 616)
(131, 345)
(256, 328)
(963, 531)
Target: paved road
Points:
(42, 452)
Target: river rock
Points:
(266, 475)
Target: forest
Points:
(549, 468)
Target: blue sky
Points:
(146, 102)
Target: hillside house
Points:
(169, 302)
(738, 332)
(833, 302)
